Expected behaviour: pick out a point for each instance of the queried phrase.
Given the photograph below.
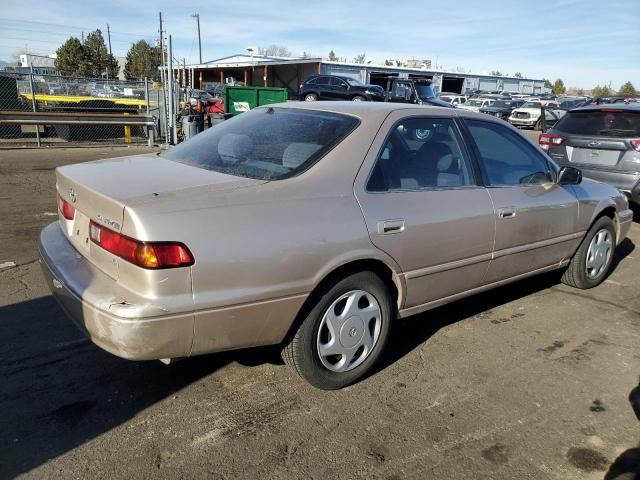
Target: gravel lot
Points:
(527, 381)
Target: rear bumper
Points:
(143, 336)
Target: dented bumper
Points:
(135, 329)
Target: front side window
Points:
(421, 153)
(507, 159)
(265, 143)
(337, 82)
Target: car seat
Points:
(297, 153)
(234, 147)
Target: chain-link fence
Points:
(79, 110)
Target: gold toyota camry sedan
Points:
(315, 226)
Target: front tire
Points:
(591, 263)
(343, 334)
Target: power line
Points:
(11, 26)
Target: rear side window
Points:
(311, 81)
(323, 80)
(265, 143)
(605, 123)
(421, 153)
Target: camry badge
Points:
(72, 195)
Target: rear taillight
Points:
(151, 255)
(635, 144)
(66, 209)
(547, 140)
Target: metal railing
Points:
(78, 110)
(68, 120)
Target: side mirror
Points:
(569, 176)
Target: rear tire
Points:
(592, 261)
(310, 97)
(359, 98)
(343, 334)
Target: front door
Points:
(423, 206)
(339, 89)
(535, 217)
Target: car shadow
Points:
(413, 331)
(58, 390)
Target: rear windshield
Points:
(265, 143)
(601, 123)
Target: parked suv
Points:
(333, 87)
(603, 141)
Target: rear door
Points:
(536, 219)
(423, 206)
(324, 88)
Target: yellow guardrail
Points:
(135, 102)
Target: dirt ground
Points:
(527, 381)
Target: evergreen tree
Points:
(70, 57)
(96, 54)
(332, 56)
(627, 90)
(558, 87)
(142, 61)
(599, 91)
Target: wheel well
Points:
(375, 266)
(607, 212)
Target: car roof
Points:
(366, 109)
(631, 107)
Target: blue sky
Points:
(584, 42)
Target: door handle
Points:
(507, 212)
(391, 226)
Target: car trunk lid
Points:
(100, 191)
(596, 151)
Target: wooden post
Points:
(319, 65)
(265, 76)
(200, 80)
(222, 77)
(246, 77)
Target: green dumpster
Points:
(242, 99)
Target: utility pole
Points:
(109, 37)
(163, 78)
(197, 17)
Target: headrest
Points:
(234, 147)
(445, 163)
(297, 153)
